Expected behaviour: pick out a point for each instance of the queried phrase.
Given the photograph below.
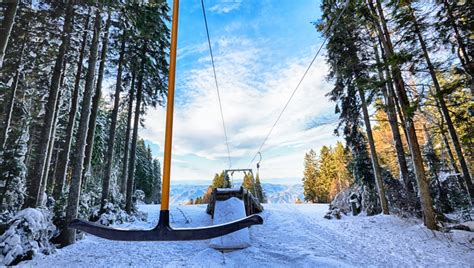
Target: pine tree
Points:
(206, 198)
(65, 151)
(379, 22)
(37, 173)
(408, 20)
(133, 147)
(156, 192)
(145, 177)
(12, 166)
(148, 61)
(113, 126)
(310, 177)
(325, 175)
(227, 182)
(343, 178)
(123, 183)
(349, 67)
(454, 24)
(25, 77)
(69, 235)
(359, 165)
(220, 181)
(249, 183)
(433, 166)
(97, 98)
(390, 109)
(374, 156)
(259, 190)
(8, 14)
(12, 98)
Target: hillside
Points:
(292, 235)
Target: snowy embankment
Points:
(292, 235)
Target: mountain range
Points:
(275, 193)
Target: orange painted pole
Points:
(165, 190)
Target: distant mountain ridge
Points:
(275, 193)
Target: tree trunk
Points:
(133, 147)
(9, 111)
(391, 91)
(7, 25)
(11, 103)
(95, 103)
(44, 180)
(452, 160)
(50, 188)
(443, 196)
(36, 174)
(7, 177)
(63, 158)
(123, 184)
(69, 235)
(443, 106)
(373, 155)
(387, 91)
(47, 180)
(113, 124)
(422, 181)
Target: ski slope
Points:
(291, 236)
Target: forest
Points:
(78, 77)
(70, 143)
(403, 88)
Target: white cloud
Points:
(253, 92)
(225, 6)
(191, 49)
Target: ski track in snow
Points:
(291, 236)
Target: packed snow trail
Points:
(292, 235)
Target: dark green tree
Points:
(249, 183)
(348, 58)
(310, 177)
(147, 59)
(434, 165)
(259, 190)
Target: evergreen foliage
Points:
(147, 174)
(48, 80)
(388, 51)
(220, 181)
(310, 177)
(249, 183)
(327, 175)
(259, 190)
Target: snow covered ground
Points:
(291, 236)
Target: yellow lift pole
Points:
(165, 197)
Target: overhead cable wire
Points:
(217, 84)
(299, 83)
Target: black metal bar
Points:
(238, 169)
(163, 231)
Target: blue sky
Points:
(261, 50)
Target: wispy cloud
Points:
(261, 50)
(225, 6)
(253, 94)
(191, 50)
